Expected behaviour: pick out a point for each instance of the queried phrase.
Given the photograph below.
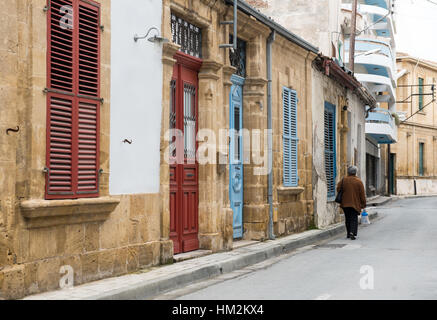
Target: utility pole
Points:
(352, 38)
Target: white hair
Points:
(352, 171)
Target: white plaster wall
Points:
(423, 186)
(313, 20)
(325, 212)
(136, 98)
(356, 106)
(323, 90)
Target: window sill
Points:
(289, 191)
(47, 213)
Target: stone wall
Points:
(292, 207)
(98, 238)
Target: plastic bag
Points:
(365, 218)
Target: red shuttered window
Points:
(73, 99)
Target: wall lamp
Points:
(155, 38)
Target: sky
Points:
(416, 26)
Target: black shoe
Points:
(348, 236)
(352, 237)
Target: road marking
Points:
(325, 296)
(352, 246)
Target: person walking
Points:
(353, 200)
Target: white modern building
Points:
(375, 67)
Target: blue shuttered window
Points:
(290, 140)
(330, 156)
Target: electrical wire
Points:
(382, 18)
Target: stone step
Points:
(191, 255)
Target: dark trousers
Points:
(351, 216)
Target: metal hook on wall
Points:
(13, 130)
(48, 6)
(127, 141)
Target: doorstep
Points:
(190, 255)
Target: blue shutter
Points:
(290, 137)
(330, 156)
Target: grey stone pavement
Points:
(216, 270)
(400, 248)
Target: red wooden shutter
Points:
(60, 46)
(60, 145)
(89, 26)
(73, 99)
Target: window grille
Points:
(187, 35)
(238, 57)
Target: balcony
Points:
(376, 70)
(384, 4)
(381, 126)
(378, 15)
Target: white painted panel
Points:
(136, 98)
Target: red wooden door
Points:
(184, 187)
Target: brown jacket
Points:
(353, 193)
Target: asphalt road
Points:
(393, 258)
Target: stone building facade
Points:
(333, 86)
(415, 153)
(325, 24)
(292, 207)
(100, 236)
(147, 206)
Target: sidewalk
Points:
(149, 283)
(377, 201)
(414, 196)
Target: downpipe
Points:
(270, 41)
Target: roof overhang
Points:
(331, 69)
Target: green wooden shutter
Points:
(420, 93)
(290, 139)
(421, 167)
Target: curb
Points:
(232, 260)
(413, 196)
(377, 204)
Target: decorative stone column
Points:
(211, 183)
(168, 51)
(256, 208)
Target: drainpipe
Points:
(270, 40)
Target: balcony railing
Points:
(381, 125)
(380, 115)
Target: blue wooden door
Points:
(236, 154)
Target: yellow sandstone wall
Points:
(421, 128)
(99, 238)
